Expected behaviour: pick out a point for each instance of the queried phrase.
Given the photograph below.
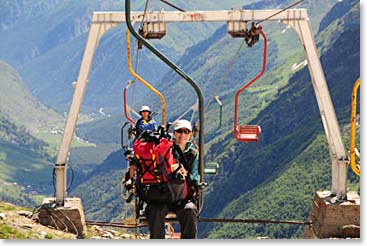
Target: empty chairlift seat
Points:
(249, 133)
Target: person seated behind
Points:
(130, 175)
(187, 212)
(146, 122)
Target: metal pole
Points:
(95, 33)
(329, 120)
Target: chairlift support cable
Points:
(145, 12)
(288, 7)
(229, 66)
(214, 95)
(206, 220)
(255, 221)
(173, 6)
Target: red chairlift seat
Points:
(249, 133)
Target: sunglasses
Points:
(183, 131)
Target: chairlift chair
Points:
(249, 133)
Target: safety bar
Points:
(125, 104)
(220, 111)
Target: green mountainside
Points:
(23, 156)
(291, 128)
(17, 104)
(9, 132)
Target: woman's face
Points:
(145, 115)
(182, 135)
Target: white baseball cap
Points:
(144, 108)
(182, 124)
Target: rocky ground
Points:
(18, 223)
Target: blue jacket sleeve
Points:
(194, 174)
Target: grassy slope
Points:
(21, 165)
(20, 106)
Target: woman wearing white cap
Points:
(188, 158)
(146, 122)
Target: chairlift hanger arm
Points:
(150, 87)
(235, 126)
(352, 152)
(220, 111)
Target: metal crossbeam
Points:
(202, 16)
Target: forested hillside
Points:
(22, 155)
(286, 170)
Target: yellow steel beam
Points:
(163, 101)
(355, 167)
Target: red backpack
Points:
(156, 180)
(155, 160)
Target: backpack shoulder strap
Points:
(182, 159)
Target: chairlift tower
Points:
(155, 23)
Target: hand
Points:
(183, 171)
